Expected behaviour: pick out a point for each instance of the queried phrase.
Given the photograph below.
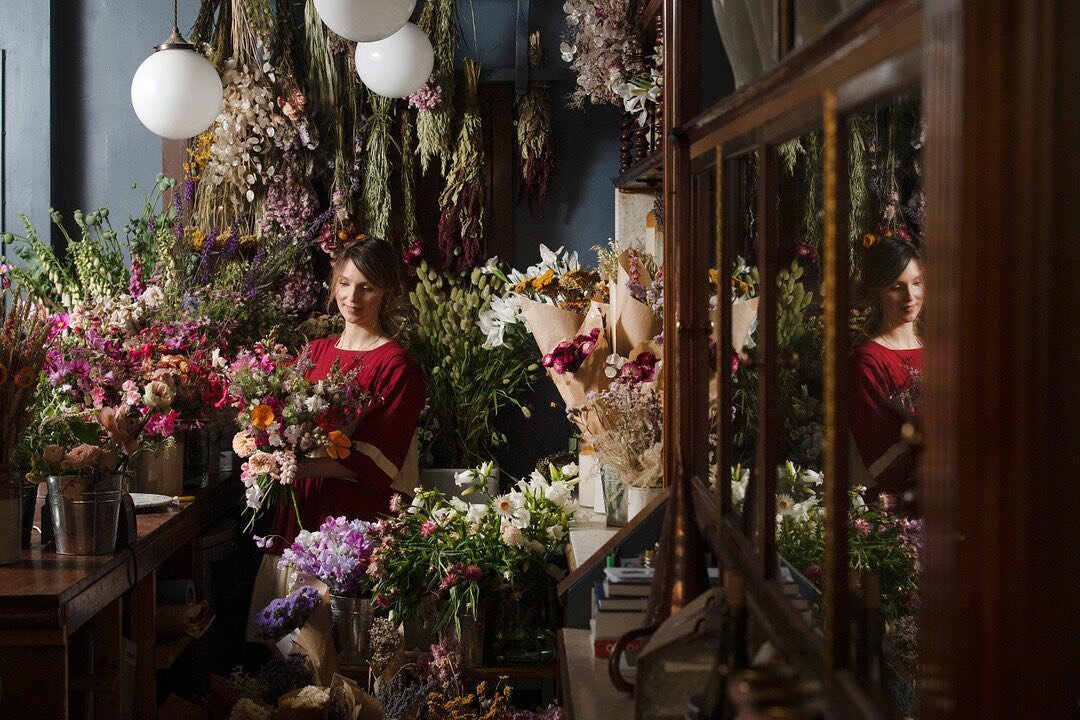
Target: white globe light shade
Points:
(365, 20)
(176, 93)
(397, 66)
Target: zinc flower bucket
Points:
(85, 511)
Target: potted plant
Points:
(470, 378)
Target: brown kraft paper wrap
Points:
(631, 320)
(317, 642)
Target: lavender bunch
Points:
(283, 615)
(338, 554)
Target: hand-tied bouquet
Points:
(457, 553)
(337, 554)
(283, 416)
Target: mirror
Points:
(738, 282)
(887, 295)
(798, 230)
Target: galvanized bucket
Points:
(84, 512)
(351, 618)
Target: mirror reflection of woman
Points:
(886, 371)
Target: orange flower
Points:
(339, 445)
(714, 277)
(25, 378)
(868, 239)
(262, 416)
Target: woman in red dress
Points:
(366, 286)
(887, 371)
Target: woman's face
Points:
(901, 302)
(357, 299)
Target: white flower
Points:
(157, 395)
(465, 478)
(315, 404)
(476, 513)
(537, 482)
(570, 470)
(784, 504)
(801, 510)
(506, 505)
(811, 477)
(218, 360)
(534, 547)
(442, 516)
(556, 532)
(502, 312)
(522, 518)
(152, 297)
(559, 493)
(253, 496)
(459, 505)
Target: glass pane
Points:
(799, 210)
(887, 293)
(741, 275)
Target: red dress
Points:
(884, 396)
(381, 440)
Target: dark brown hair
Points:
(883, 262)
(379, 262)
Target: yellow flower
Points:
(714, 277)
(868, 240)
(339, 445)
(198, 238)
(247, 240)
(262, 416)
(888, 233)
(3, 372)
(544, 280)
(521, 286)
(24, 378)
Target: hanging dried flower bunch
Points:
(602, 47)
(461, 222)
(535, 146)
(377, 203)
(435, 101)
(408, 184)
(248, 136)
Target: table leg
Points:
(143, 621)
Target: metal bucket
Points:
(351, 618)
(85, 512)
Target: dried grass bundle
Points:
(24, 339)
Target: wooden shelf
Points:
(587, 692)
(586, 566)
(646, 176)
(649, 12)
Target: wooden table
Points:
(60, 616)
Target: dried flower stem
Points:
(535, 146)
(461, 224)
(433, 128)
(377, 203)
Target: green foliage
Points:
(468, 384)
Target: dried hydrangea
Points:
(602, 48)
(248, 709)
(384, 643)
(428, 97)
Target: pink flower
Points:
(243, 445)
(427, 529)
(473, 573)
(863, 527)
(395, 503)
(81, 457)
(119, 427)
(449, 581)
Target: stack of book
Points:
(619, 603)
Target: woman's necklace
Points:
(367, 347)
(889, 344)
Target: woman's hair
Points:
(379, 262)
(883, 262)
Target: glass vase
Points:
(525, 626)
(614, 497)
(197, 457)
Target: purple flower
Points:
(338, 554)
(283, 615)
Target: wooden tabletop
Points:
(47, 590)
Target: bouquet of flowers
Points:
(338, 554)
(283, 416)
(457, 553)
(24, 338)
(628, 421)
(283, 615)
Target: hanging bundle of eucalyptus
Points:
(435, 116)
(535, 146)
(461, 221)
(377, 203)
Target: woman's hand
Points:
(323, 467)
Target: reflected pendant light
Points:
(365, 20)
(176, 92)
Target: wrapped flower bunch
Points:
(338, 554)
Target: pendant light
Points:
(397, 66)
(365, 20)
(176, 92)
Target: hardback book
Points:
(602, 646)
(604, 602)
(616, 623)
